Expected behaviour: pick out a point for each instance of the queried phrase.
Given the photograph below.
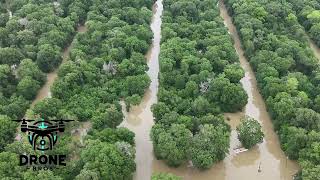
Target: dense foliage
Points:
(32, 36)
(165, 176)
(106, 64)
(287, 73)
(308, 14)
(31, 43)
(249, 132)
(210, 145)
(199, 80)
(109, 161)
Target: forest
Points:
(308, 14)
(106, 65)
(199, 80)
(287, 73)
(30, 45)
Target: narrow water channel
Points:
(140, 118)
(268, 155)
(10, 13)
(8, 9)
(314, 47)
(45, 90)
(272, 160)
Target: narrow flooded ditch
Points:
(140, 118)
(45, 90)
(267, 156)
(314, 47)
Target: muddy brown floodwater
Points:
(140, 118)
(268, 155)
(45, 90)
(314, 47)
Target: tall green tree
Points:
(111, 118)
(48, 108)
(28, 87)
(28, 68)
(7, 133)
(9, 166)
(209, 145)
(173, 144)
(249, 132)
(40, 175)
(109, 161)
(48, 57)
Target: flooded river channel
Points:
(314, 47)
(268, 155)
(140, 118)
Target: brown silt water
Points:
(140, 118)
(266, 161)
(45, 90)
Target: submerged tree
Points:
(210, 145)
(249, 132)
(109, 161)
(165, 176)
(173, 144)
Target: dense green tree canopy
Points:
(7, 132)
(109, 161)
(87, 174)
(106, 65)
(199, 79)
(28, 88)
(172, 144)
(112, 117)
(249, 132)
(286, 69)
(31, 42)
(48, 57)
(114, 135)
(28, 68)
(210, 145)
(48, 108)
(8, 81)
(9, 166)
(165, 176)
(41, 175)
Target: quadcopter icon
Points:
(41, 131)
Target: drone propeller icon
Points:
(40, 130)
